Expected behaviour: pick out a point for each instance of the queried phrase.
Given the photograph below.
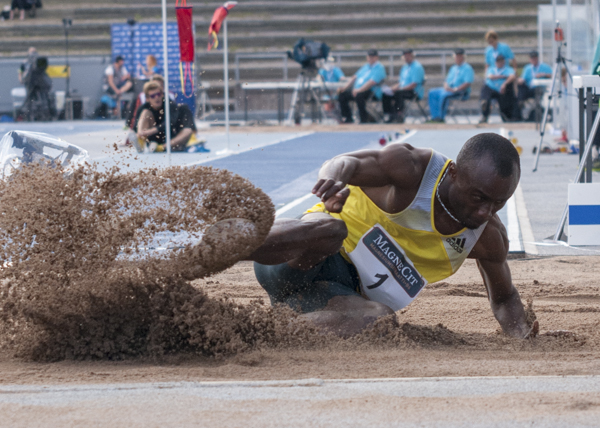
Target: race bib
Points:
(386, 274)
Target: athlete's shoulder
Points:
(493, 242)
(404, 163)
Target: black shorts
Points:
(308, 291)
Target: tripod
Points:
(560, 62)
(304, 92)
(68, 101)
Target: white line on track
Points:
(291, 137)
(514, 234)
(524, 224)
(292, 204)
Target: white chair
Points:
(18, 95)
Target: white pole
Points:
(166, 70)
(226, 81)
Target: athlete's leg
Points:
(301, 243)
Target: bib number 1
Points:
(387, 275)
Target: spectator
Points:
(151, 123)
(499, 86)
(28, 65)
(151, 68)
(534, 70)
(141, 103)
(19, 5)
(40, 103)
(409, 87)
(457, 85)
(329, 71)
(360, 87)
(496, 48)
(117, 81)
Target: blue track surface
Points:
(274, 166)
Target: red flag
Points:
(216, 22)
(186, 46)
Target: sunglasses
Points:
(155, 95)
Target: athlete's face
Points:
(478, 192)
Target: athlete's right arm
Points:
(399, 165)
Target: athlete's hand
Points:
(335, 204)
(333, 194)
(533, 331)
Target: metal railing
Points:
(387, 56)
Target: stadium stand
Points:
(273, 26)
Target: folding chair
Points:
(375, 108)
(414, 104)
(454, 108)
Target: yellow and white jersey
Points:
(396, 255)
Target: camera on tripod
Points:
(559, 36)
(307, 52)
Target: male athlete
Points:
(390, 222)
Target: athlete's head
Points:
(484, 177)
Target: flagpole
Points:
(166, 89)
(226, 80)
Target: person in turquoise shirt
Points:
(330, 72)
(534, 70)
(409, 86)
(496, 48)
(457, 85)
(365, 82)
(499, 86)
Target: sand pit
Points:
(448, 331)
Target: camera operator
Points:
(365, 82)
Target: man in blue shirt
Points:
(534, 70)
(457, 85)
(499, 86)
(330, 72)
(496, 48)
(366, 81)
(409, 86)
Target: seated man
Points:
(150, 127)
(534, 70)
(499, 86)
(389, 222)
(366, 81)
(117, 81)
(329, 71)
(409, 86)
(457, 85)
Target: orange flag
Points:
(216, 22)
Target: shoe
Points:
(213, 253)
(346, 121)
(483, 119)
(198, 149)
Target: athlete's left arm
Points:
(490, 252)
